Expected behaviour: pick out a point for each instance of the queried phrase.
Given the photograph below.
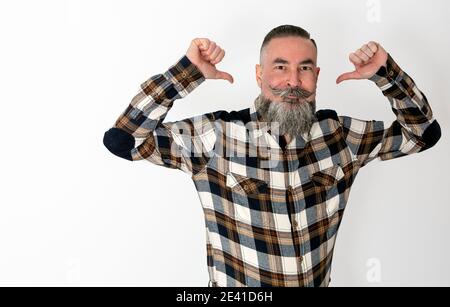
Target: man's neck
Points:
(287, 137)
(284, 140)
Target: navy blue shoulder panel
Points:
(119, 142)
(242, 115)
(326, 113)
(431, 135)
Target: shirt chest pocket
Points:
(328, 176)
(325, 183)
(250, 199)
(245, 185)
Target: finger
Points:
(202, 43)
(215, 53)
(211, 47)
(367, 51)
(219, 57)
(373, 46)
(355, 59)
(347, 76)
(224, 75)
(362, 55)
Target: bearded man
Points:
(273, 179)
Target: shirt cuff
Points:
(387, 76)
(178, 81)
(185, 73)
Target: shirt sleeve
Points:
(414, 130)
(139, 132)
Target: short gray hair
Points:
(285, 31)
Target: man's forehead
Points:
(290, 49)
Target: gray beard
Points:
(294, 121)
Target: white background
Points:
(71, 213)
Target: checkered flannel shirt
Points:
(272, 212)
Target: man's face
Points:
(288, 62)
(287, 77)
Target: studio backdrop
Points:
(72, 213)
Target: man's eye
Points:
(279, 67)
(305, 68)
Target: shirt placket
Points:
(290, 203)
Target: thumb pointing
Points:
(224, 75)
(347, 76)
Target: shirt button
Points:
(300, 259)
(294, 224)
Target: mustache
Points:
(297, 92)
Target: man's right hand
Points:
(205, 54)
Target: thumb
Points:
(224, 75)
(347, 76)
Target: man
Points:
(273, 179)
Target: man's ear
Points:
(258, 72)
(317, 72)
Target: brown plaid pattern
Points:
(271, 213)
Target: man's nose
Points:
(294, 79)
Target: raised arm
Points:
(139, 132)
(414, 130)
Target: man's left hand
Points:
(367, 60)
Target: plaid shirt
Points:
(272, 212)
